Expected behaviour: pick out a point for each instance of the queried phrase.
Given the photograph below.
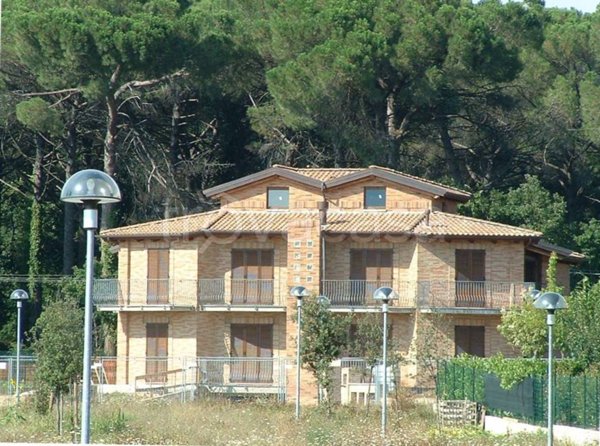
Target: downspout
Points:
(323, 205)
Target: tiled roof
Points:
(188, 224)
(453, 225)
(259, 221)
(564, 254)
(372, 221)
(423, 223)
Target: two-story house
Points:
(216, 284)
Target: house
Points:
(207, 295)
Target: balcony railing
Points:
(188, 293)
(428, 294)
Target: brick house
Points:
(216, 284)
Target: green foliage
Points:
(588, 241)
(530, 205)
(37, 115)
(524, 326)
(324, 336)
(57, 340)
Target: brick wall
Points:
(255, 196)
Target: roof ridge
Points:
(425, 180)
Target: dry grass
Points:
(121, 419)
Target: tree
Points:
(324, 336)
(524, 326)
(57, 340)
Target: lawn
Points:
(122, 419)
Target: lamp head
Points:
(19, 295)
(323, 300)
(90, 186)
(385, 294)
(550, 301)
(533, 293)
(299, 292)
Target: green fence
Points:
(576, 398)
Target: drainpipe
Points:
(323, 206)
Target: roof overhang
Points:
(262, 175)
(400, 179)
(564, 254)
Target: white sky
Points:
(582, 5)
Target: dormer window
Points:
(374, 197)
(278, 198)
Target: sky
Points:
(582, 5)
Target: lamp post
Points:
(384, 294)
(91, 188)
(19, 296)
(550, 302)
(298, 292)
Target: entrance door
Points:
(157, 337)
(158, 276)
(470, 277)
(252, 348)
(469, 340)
(369, 270)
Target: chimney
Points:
(323, 206)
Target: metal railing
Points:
(411, 294)
(187, 293)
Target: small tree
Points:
(324, 336)
(58, 344)
(525, 326)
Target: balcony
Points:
(191, 294)
(428, 294)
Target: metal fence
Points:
(8, 374)
(576, 398)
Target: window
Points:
(469, 340)
(158, 276)
(252, 276)
(374, 197)
(252, 341)
(278, 198)
(470, 277)
(157, 336)
(369, 270)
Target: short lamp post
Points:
(299, 292)
(385, 295)
(91, 188)
(19, 296)
(550, 302)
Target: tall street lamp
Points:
(550, 302)
(19, 296)
(384, 294)
(91, 188)
(299, 292)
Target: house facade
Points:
(216, 284)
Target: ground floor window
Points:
(157, 351)
(251, 351)
(470, 340)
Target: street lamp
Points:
(91, 188)
(550, 302)
(298, 292)
(384, 294)
(19, 296)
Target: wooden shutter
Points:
(251, 341)
(158, 276)
(469, 340)
(157, 351)
(470, 264)
(385, 265)
(357, 264)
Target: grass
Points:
(125, 420)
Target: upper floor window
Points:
(278, 198)
(374, 197)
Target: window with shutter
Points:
(252, 276)
(369, 270)
(158, 276)
(470, 277)
(157, 351)
(251, 345)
